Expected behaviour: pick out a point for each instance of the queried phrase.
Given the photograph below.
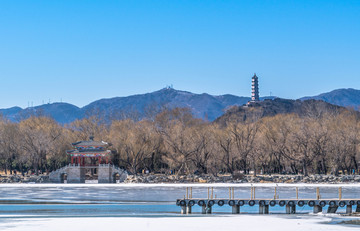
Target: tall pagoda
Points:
(255, 89)
(89, 149)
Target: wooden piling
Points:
(317, 209)
(183, 209)
(348, 209)
(340, 193)
(290, 209)
(203, 209)
(235, 209)
(357, 209)
(317, 193)
(188, 209)
(275, 196)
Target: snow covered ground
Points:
(218, 223)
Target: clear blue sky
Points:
(81, 51)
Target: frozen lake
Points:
(43, 204)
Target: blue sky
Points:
(81, 51)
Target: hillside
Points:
(61, 112)
(277, 106)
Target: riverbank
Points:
(327, 179)
(160, 178)
(24, 179)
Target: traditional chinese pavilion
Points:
(86, 156)
(89, 149)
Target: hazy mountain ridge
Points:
(203, 106)
(348, 97)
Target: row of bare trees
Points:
(175, 141)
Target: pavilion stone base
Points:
(107, 174)
(75, 174)
(104, 174)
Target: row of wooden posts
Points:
(210, 194)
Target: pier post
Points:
(263, 209)
(290, 209)
(348, 209)
(188, 209)
(183, 209)
(332, 209)
(208, 209)
(358, 208)
(203, 209)
(236, 209)
(317, 209)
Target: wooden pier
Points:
(264, 205)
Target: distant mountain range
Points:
(140, 106)
(342, 97)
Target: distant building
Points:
(255, 89)
(87, 156)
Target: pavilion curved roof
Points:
(88, 153)
(90, 143)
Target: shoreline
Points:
(203, 179)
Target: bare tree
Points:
(39, 136)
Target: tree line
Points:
(174, 141)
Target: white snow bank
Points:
(228, 223)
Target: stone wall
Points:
(107, 174)
(76, 174)
(104, 174)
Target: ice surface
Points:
(152, 207)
